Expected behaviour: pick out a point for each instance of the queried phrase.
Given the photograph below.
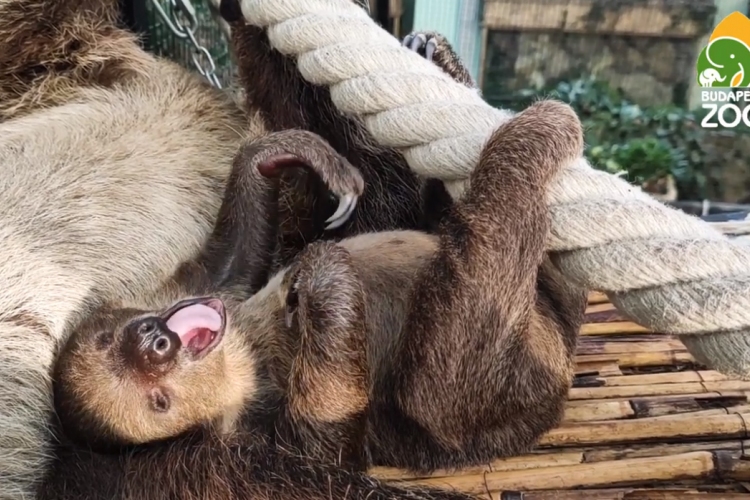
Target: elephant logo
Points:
(725, 61)
(709, 76)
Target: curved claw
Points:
(407, 40)
(430, 48)
(346, 206)
(419, 41)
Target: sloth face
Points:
(141, 376)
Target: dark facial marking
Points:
(159, 400)
(104, 340)
(292, 301)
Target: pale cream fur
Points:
(101, 197)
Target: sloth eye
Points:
(104, 340)
(292, 301)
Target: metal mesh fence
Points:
(628, 67)
(161, 40)
(645, 48)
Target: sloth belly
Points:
(388, 264)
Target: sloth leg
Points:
(241, 249)
(434, 47)
(328, 381)
(51, 48)
(486, 354)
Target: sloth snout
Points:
(150, 347)
(162, 349)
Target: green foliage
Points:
(622, 137)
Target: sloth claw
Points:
(347, 203)
(418, 41)
(430, 48)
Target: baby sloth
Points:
(397, 348)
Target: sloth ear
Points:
(325, 296)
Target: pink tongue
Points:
(194, 320)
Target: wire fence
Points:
(628, 67)
(645, 48)
(160, 38)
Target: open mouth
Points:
(199, 323)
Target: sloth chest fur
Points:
(83, 180)
(388, 264)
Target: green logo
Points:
(725, 61)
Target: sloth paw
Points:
(425, 44)
(344, 182)
(434, 47)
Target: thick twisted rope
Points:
(669, 271)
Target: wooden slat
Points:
(647, 429)
(695, 465)
(614, 328)
(643, 421)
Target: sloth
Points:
(401, 348)
(112, 177)
(261, 446)
(395, 198)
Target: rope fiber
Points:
(667, 270)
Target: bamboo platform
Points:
(644, 422)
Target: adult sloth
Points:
(113, 167)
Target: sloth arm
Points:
(486, 353)
(239, 254)
(275, 90)
(323, 412)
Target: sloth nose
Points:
(150, 346)
(161, 350)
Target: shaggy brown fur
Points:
(114, 163)
(113, 168)
(284, 409)
(396, 348)
(394, 197)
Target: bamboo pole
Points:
(619, 494)
(586, 410)
(603, 313)
(641, 403)
(631, 391)
(554, 457)
(597, 298)
(694, 465)
(648, 429)
(639, 359)
(605, 369)
(600, 410)
(664, 378)
(589, 346)
(614, 328)
(600, 454)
